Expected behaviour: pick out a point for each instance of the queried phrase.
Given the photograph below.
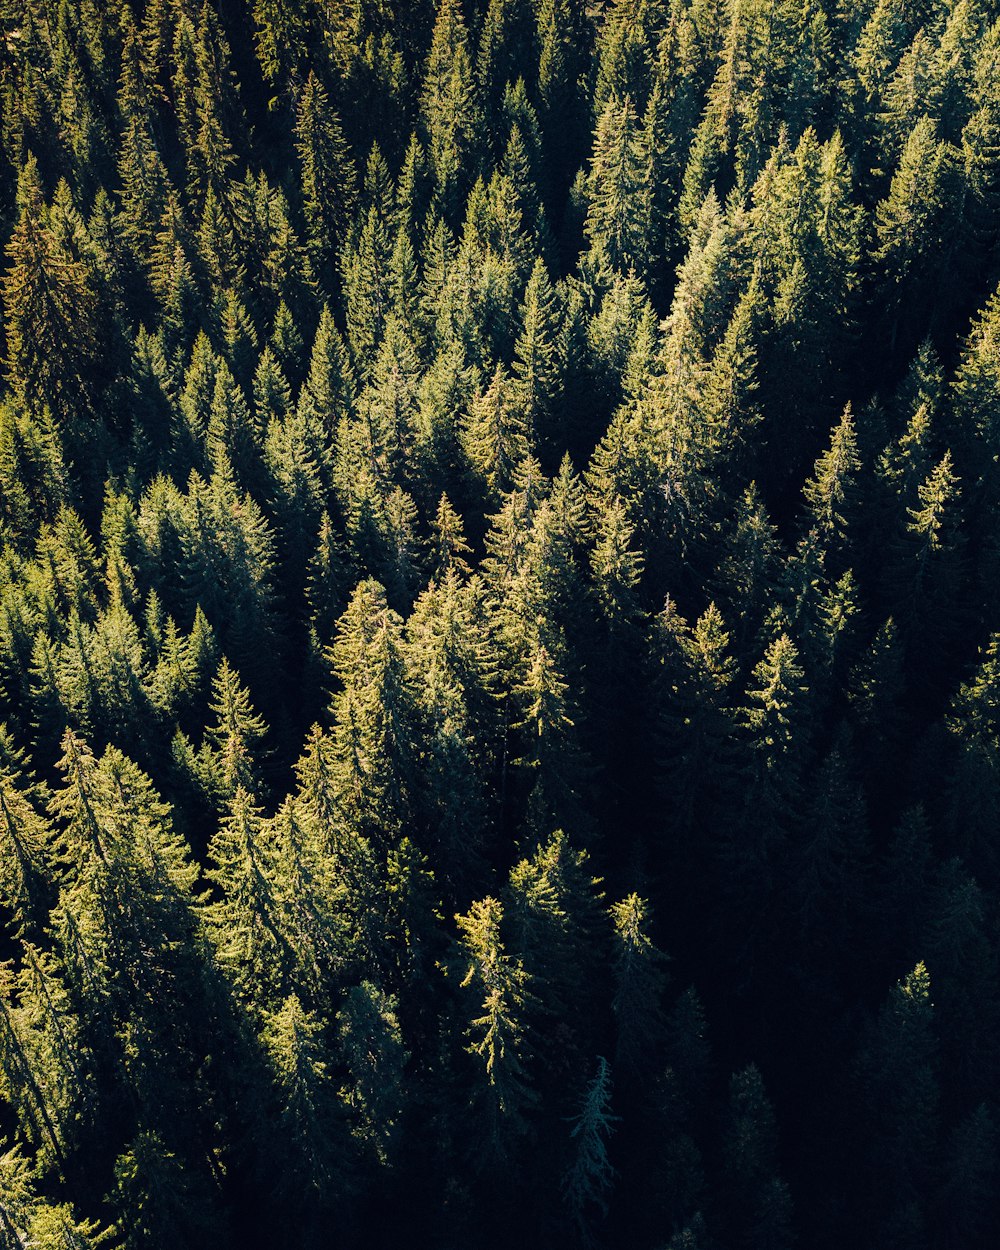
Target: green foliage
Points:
(639, 983)
(372, 1049)
(307, 1110)
(496, 987)
(591, 1175)
(449, 108)
(328, 174)
(454, 455)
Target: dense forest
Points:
(500, 624)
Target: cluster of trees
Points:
(499, 608)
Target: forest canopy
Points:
(499, 624)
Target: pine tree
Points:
(980, 141)
(914, 224)
(618, 216)
(245, 921)
(968, 1187)
(450, 109)
(53, 1226)
(775, 731)
(142, 173)
(537, 368)
(328, 391)
(226, 562)
(234, 736)
(27, 860)
(747, 570)
(51, 312)
(371, 1046)
(308, 1116)
(496, 434)
(828, 865)
(899, 1085)
(372, 711)
(507, 29)
(155, 1194)
(831, 492)
(958, 942)
(328, 177)
(550, 748)
(551, 906)
(498, 988)
(366, 263)
(759, 1204)
(928, 567)
(348, 875)
(640, 981)
(692, 674)
(590, 1176)
(617, 566)
(232, 435)
(562, 38)
(281, 31)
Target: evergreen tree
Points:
(639, 984)
(28, 857)
(537, 367)
(311, 1134)
(590, 1175)
(234, 735)
(450, 109)
(897, 1068)
(51, 313)
(759, 1204)
(618, 217)
(371, 1045)
(372, 713)
(498, 986)
(328, 176)
(309, 312)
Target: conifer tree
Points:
(51, 312)
(898, 1071)
(551, 907)
(308, 1113)
(245, 921)
(496, 436)
(234, 736)
(758, 1199)
(639, 984)
(563, 45)
(692, 675)
(618, 217)
(372, 712)
(496, 988)
(537, 367)
(371, 1046)
(775, 726)
(590, 1176)
(914, 221)
(155, 1194)
(309, 312)
(450, 108)
(968, 1186)
(27, 859)
(507, 29)
(328, 176)
(828, 493)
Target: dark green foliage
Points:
(590, 1176)
(495, 988)
(462, 463)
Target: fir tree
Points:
(590, 1176)
(497, 986)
